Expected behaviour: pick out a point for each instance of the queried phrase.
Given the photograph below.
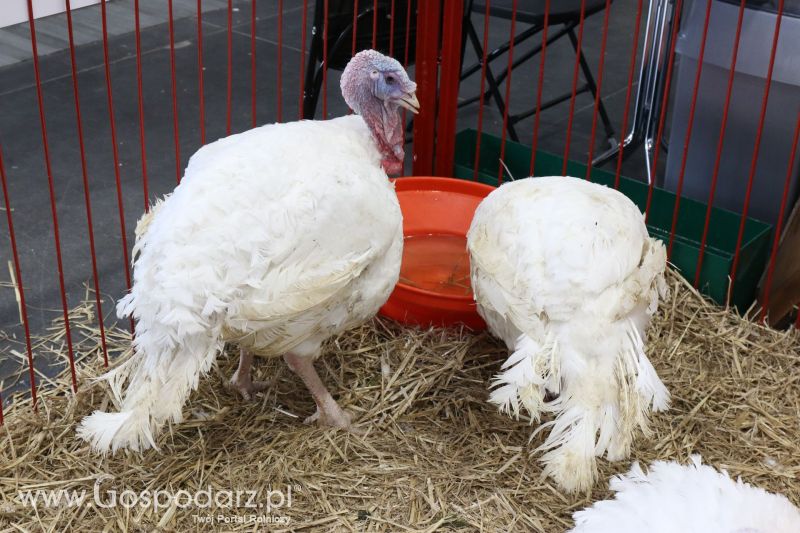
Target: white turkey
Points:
(694, 498)
(276, 239)
(564, 272)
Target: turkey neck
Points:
(386, 125)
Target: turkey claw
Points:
(246, 387)
(342, 420)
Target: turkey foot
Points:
(242, 379)
(328, 411)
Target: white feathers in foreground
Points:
(564, 272)
(276, 239)
(695, 498)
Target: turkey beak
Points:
(410, 102)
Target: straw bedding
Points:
(435, 456)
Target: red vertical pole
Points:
(391, 30)
(695, 89)
(408, 33)
(355, 26)
(279, 103)
(600, 69)
(86, 195)
(779, 225)
(51, 187)
(20, 286)
(428, 15)
(676, 17)
(722, 127)
(628, 93)
(578, 53)
(325, 62)
(353, 48)
(200, 71)
(508, 94)
(481, 97)
(374, 23)
(757, 144)
(142, 149)
(115, 151)
(303, 59)
(448, 89)
(540, 85)
(175, 131)
(253, 6)
(229, 108)
(405, 55)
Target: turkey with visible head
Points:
(695, 498)
(276, 239)
(564, 272)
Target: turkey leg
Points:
(242, 379)
(328, 411)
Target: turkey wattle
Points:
(276, 239)
(564, 272)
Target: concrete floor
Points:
(20, 135)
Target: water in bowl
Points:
(436, 263)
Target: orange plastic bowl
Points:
(435, 207)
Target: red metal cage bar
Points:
(720, 142)
(779, 225)
(391, 29)
(23, 307)
(174, 86)
(374, 24)
(279, 88)
(140, 96)
(757, 145)
(539, 86)
(689, 125)
(303, 59)
(325, 61)
(229, 102)
(86, 196)
(115, 150)
(628, 93)
(51, 188)
(578, 52)
(482, 96)
(200, 84)
(253, 6)
(600, 68)
(510, 67)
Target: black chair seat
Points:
(564, 17)
(532, 11)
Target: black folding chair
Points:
(564, 17)
(340, 38)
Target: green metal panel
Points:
(723, 228)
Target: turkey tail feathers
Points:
(599, 407)
(532, 368)
(170, 355)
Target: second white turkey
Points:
(565, 273)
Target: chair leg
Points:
(494, 89)
(587, 73)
